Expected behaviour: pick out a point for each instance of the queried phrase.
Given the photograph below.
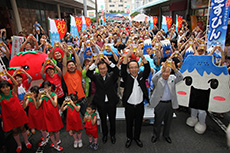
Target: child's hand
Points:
(71, 102)
(46, 94)
(32, 95)
(64, 102)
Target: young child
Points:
(52, 119)
(23, 85)
(48, 73)
(73, 119)
(35, 114)
(90, 120)
(13, 115)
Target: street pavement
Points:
(184, 140)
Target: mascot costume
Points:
(31, 62)
(205, 87)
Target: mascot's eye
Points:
(188, 80)
(213, 83)
(26, 67)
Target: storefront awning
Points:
(178, 6)
(155, 2)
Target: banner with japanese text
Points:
(168, 21)
(83, 23)
(16, 44)
(73, 27)
(193, 21)
(78, 21)
(155, 19)
(164, 24)
(151, 23)
(218, 23)
(179, 20)
(57, 30)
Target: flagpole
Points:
(96, 12)
(206, 37)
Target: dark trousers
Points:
(134, 117)
(163, 112)
(83, 103)
(110, 110)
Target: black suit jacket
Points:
(128, 82)
(104, 87)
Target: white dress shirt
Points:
(93, 66)
(136, 96)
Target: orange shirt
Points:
(74, 83)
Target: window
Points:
(110, 1)
(121, 0)
(111, 6)
(120, 5)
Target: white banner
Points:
(16, 44)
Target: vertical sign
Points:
(16, 44)
(218, 23)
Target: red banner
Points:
(61, 27)
(168, 21)
(179, 21)
(193, 21)
(200, 24)
(146, 19)
(155, 19)
(87, 21)
(103, 18)
(78, 21)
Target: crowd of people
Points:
(119, 64)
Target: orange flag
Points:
(87, 21)
(155, 19)
(61, 27)
(168, 21)
(179, 20)
(78, 21)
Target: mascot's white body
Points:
(205, 88)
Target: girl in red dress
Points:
(73, 119)
(51, 117)
(13, 115)
(48, 73)
(90, 120)
(35, 114)
(23, 85)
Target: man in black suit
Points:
(105, 97)
(135, 92)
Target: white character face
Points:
(205, 86)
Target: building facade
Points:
(124, 6)
(18, 15)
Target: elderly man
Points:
(164, 99)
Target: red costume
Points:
(56, 80)
(13, 115)
(35, 116)
(52, 119)
(73, 120)
(91, 129)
